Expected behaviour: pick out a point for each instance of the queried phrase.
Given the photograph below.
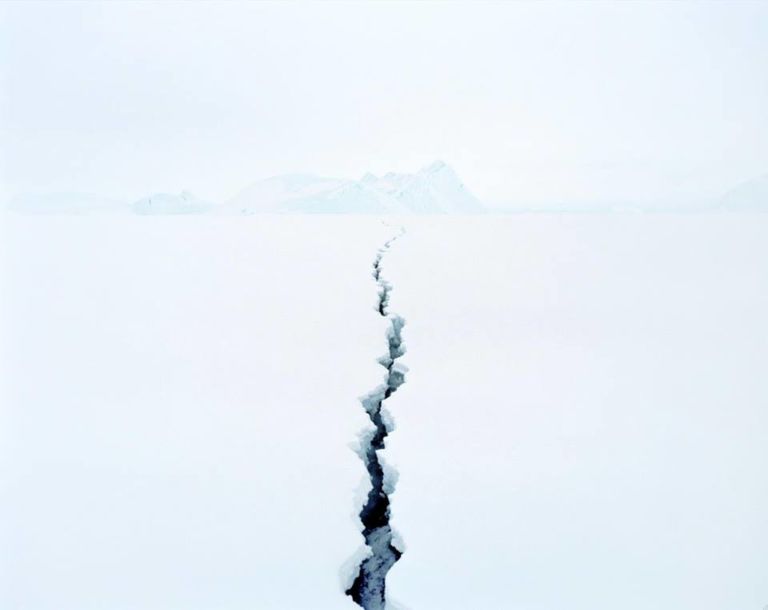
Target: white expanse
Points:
(583, 423)
(180, 401)
(191, 197)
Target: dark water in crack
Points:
(369, 587)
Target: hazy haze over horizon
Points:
(532, 103)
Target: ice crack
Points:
(369, 587)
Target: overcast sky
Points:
(529, 102)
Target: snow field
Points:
(584, 424)
(182, 396)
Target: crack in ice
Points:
(368, 588)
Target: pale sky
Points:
(529, 102)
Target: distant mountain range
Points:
(434, 189)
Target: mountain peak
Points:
(435, 167)
(434, 189)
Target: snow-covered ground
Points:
(584, 422)
(181, 396)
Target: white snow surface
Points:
(181, 396)
(584, 424)
(435, 189)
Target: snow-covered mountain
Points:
(750, 196)
(304, 193)
(166, 203)
(435, 189)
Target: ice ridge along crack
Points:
(369, 587)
